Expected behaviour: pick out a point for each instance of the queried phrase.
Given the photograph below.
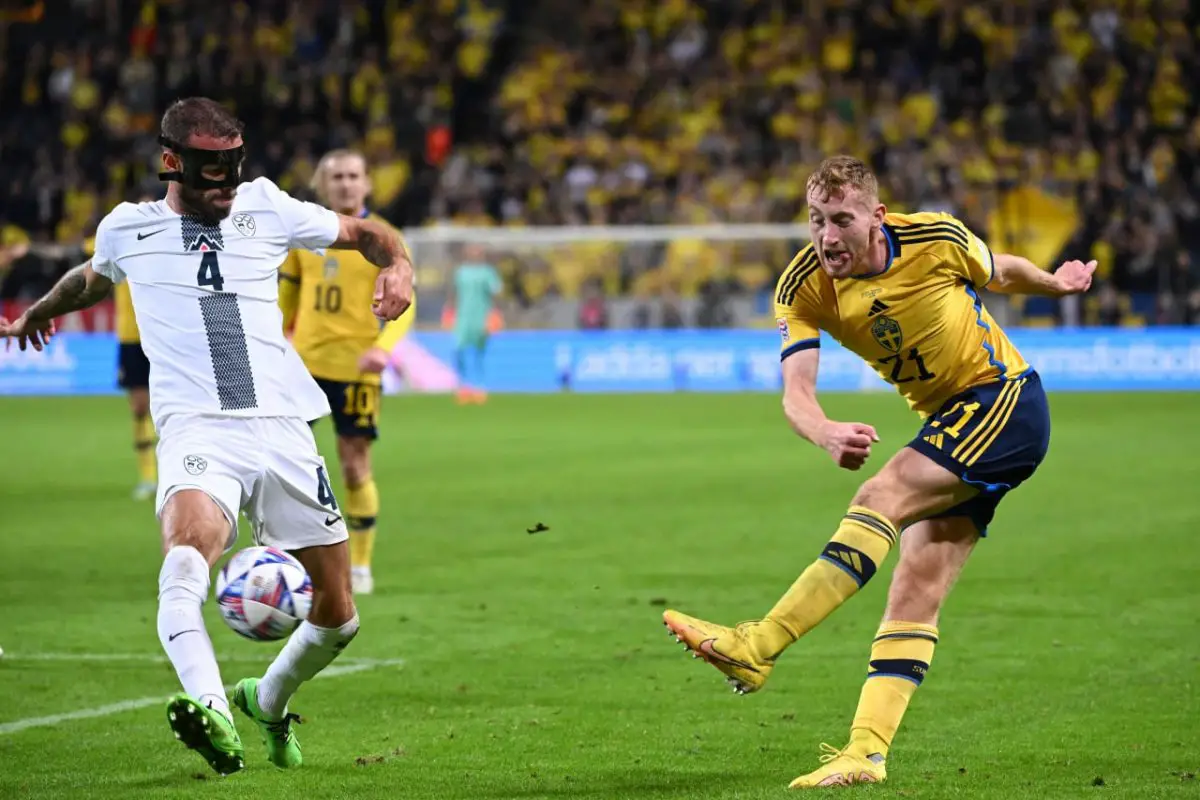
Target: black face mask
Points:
(195, 160)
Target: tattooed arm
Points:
(378, 243)
(79, 288)
(382, 246)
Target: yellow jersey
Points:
(920, 323)
(328, 299)
(125, 322)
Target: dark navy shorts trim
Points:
(992, 437)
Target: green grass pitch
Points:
(536, 666)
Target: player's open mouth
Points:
(837, 258)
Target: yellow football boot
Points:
(731, 650)
(843, 768)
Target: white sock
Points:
(309, 650)
(182, 590)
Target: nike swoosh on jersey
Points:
(331, 521)
(151, 233)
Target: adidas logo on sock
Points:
(878, 307)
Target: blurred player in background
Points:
(326, 302)
(133, 375)
(476, 286)
(901, 291)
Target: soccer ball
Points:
(263, 593)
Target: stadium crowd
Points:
(532, 112)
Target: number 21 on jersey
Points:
(907, 366)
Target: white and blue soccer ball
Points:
(263, 593)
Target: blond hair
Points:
(836, 174)
(317, 182)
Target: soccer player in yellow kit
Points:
(901, 291)
(327, 301)
(133, 375)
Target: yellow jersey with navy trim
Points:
(326, 299)
(125, 322)
(920, 323)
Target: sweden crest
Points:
(887, 332)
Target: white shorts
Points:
(267, 467)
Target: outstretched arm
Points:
(848, 443)
(79, 288)
(1017, 275)
(382, 246)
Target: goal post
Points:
(681, 307)
(644, 276)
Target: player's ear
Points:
(171, 162)
(879, 215)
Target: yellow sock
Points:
(851, 558)
(900, 658)
(362, 507)
(143, 444)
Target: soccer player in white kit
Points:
(231, 401)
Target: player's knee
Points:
(139, 402)
(192, 519)
(879, 493)
(355, 473)
(356, 462)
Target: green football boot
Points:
(210, 733)
(283, 749)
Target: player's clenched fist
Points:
(1074, 277)
(393, 291)
(849, 443)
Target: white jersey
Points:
(206, 299)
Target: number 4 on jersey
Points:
(325, 490)
(210, 272)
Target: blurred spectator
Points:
(593, 311)
(714, 310)
(1111, 312)
(670, 311)
(1053, 127)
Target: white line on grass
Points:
(149, 658)
(158, 658)
(347, 667)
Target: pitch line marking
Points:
(147, 658)
(360, 665)
(158, 658)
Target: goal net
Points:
(686, 307)
(618, 277)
